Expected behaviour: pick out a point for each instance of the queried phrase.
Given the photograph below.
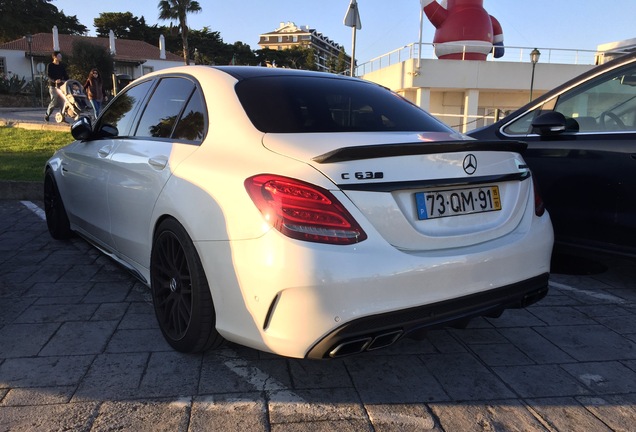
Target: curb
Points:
(58, 127)
(21, 190)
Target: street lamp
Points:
(534, 58)
(29, 39)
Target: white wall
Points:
(17, 63)
(460, 92)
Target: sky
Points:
(391, 24)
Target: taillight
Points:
(303, 211)
(539, 205)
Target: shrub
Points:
(12, 84)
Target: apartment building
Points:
(288, 35)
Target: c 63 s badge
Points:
(362, 175)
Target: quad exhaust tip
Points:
(369, 343)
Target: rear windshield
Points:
(284, 104)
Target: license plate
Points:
(455, 202)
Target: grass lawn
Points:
(24, 152)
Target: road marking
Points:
(35, 209)
(597, 295)
(590, 379)
(259, 379)
(241, 367)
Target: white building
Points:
(132, 57)
(469, 94)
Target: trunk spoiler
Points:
(419, 148)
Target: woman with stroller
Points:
(94, 90)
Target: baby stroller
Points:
(75, 102)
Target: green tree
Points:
(209, 46)
(86, 56)
(178, 10)
(341, 65)
(296, 57)
(269, 56)
(242, 54)
(310, 60)
(123, 24)
(19, 17)
(127, 26)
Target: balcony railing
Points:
(513, 54)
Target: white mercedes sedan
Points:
(300, 213)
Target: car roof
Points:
(244, 72)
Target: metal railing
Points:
(513, 54)
(465, 123)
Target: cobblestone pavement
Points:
(80, 350)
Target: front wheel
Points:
(56, 218)
(180, 291)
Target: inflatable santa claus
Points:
(465, 31)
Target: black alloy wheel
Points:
(180, 291)
(56, 218)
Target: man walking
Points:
(56, 72)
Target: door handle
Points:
(104, 152)
(158, 162)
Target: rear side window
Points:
(304, 105)
(191, 125)
(164, 108)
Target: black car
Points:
(582, 149)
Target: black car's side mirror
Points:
(549, 123)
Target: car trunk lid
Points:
(422, 191)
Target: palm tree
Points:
(178, 10)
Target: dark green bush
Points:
(12, 84)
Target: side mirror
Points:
(549, 123)
(82, 129)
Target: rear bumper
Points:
(378, 331)
(302, 300)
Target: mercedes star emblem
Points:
(470, 164)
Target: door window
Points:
(121, 111)
(604, 104)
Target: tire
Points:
(56, 218)
(180, 291)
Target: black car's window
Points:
(297, 104)
(164, 108)
(604, 105)
(191, 124)
(522, 125)
(121, 111)
(607, 103)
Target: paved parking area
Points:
(80, 350)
